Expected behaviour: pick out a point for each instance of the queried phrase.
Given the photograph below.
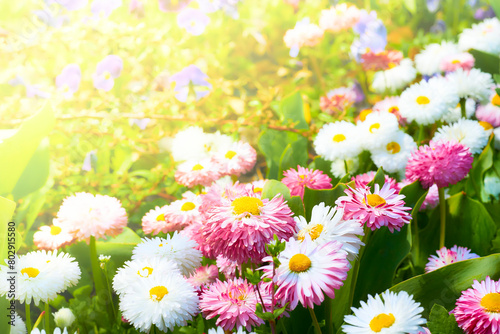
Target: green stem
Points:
(346, 168)
(28, 316)
(282, 326)
(442, 207)
(462, 107)
(108, 287)
(47, 318)
(421, 134)
(96, 269)
(328, 315)
(357, 264)
(315, 321)
(416, 238)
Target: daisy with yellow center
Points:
(156, 221)
(378, 129)
(338, 140)
(239, 158)
(185, 211)
(394, 154)
(52, 237)
(395, 77)
(388, 313)
(192, 173)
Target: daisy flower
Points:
(339, 17)
(303, 34)
(185, 211)
(337, 100)
(394, 156)
(362, 180)
(220, 330)
(175, 247)
(19, 326)
(390, 104)
(52, 237)
(203, 275)
(327, 225)
(188, 144)
(447, 256)
(388, 312)
(378, 129)
(227, 267)
(239, 227)
(482, 36)
(337, 140)
(442, 163)
(472, 84)
(192, 173)
(428, 61)
(453, 62)
(491, 112)
(338, 167)
(237, 159)
(86, 215)
(155, 221)
(141, 270)
(382, 60)
(42, 275)
(382, 208)
(395, 78)
(298, 180)
(426, 102)
(308, 272)
(165, 301)
(467, 132)
(233, 301)
(477, 308)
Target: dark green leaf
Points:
(292, 111)
(486, 62)
(294, 155)
(440, 321)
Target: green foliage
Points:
(486, 62)
(440, 321)
(292, 111)
(273, 188)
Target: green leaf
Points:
(20, 147)
(325, 166)
(273, 188)
(341, 303)
(379, 179)
(413, 193)
(440, 321)
(444, 285)
(314, 197)
(120, 247)
(486, 62)
(7, 208)
(411, 5)
(292, 111)
(83, 292)
(496, 6)
(480, 165)
(294, 155)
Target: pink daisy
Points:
(362, 180)
(297, 180)
(453, 62)
(308, 272)
(490, 113)
(390, 104)
(233, 301)
(442, 163)
(448, 256)
(194, 232)
(203, 276)
(193, 173)
(227, 267)
(478, 309)
(381, 61)
(240, 226)
(185, 211)
(52, 237)
(155, 221)
(256, 186)
(86, 215)
(337, 100)
(382, 208)
(239, 158)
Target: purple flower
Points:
(438, 27)
(172, 5)
(364, 19)
(107, 70)
(69, 80)
(484, 13)
(106, 7)
(374, 38)
(190, 77)
(72, 4)
(193, 20)
(89, 161)
(433, 5)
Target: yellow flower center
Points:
(364, 113)
(188, 206)
(230, 154)
(247, 204)
(375, 200)
(31, 272)
(158, 292)
(107, 75)
(393, 147)
(197, 167)
(374, 126)
(382, 321)
(491, 302)
(455, 61)
(55, 230)
(160, 245)
(314, 231)
(257, 190)
(148, 269)
(393, 109)
(423, 100)
(299, 263)
(486, 125)
(495, 100)
(392, 65)
(160, 217)
(338, 138)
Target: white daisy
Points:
(428, 61)
(185, 211)
(378, 129)
(327, 225)
(337, 140)
(394, 156)
(57, 330)
(482, 36)
(338, 166)
(426, 102)
(388, 313)
(465, 131)
(137, 270)
(165, 301)
(220, 330)
(472, 84)
(395, 78)
(177, 248)
(188, 144)
(19, 325)
(389, 104)
(456, 113)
